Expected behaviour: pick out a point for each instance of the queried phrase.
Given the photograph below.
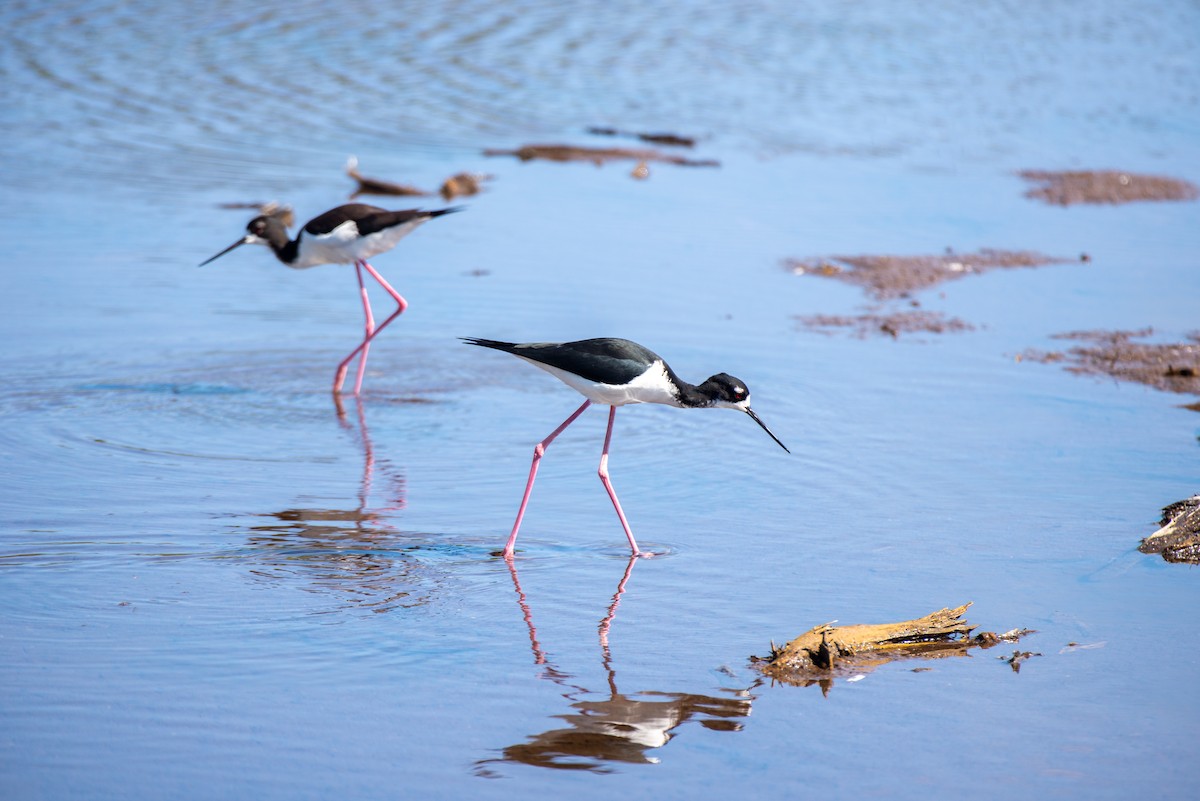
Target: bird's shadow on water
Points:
(608, 728)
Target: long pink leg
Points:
(539, 656)
(370, 329)
(539, 450)
(340, 376)
(603, 471)
(401, 304)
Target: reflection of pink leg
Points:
(539, 657)
(364, 492)
(401, 305)
(538, 451)
(606, 623)
(612, 414)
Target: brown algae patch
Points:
(885, 277)
(657, 138)
(1178, 539)
(462, 184)
(378, 186)
(271, 208)
(1171, 367)
(893, 325)
(1110, 187)
(598, 155)
(827, 652)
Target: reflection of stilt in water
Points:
(619, 728)
(539, 658)
(606, 623)
(396, 498)
(349, 552)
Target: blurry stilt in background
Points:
(348, 234)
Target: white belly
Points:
(343, 245)
(651, 386)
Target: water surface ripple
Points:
(201, 92)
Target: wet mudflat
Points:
(218, 583)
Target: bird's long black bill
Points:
(236, 244)
(758, 420)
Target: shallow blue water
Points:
(216, 585)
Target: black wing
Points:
(369, 219)
(324, 223)
(605, 360)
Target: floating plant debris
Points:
(1178, 539)
(1017, 658)
(1110, 187)
(827, 652)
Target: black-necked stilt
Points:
(347, 234)
(615, 372)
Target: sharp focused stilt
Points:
(616, 372)
(603, 471)
(539, 451)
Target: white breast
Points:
(343, 245)
(652, 386)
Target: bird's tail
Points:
(489, 343)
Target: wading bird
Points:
(348, 234)
(615, 372)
